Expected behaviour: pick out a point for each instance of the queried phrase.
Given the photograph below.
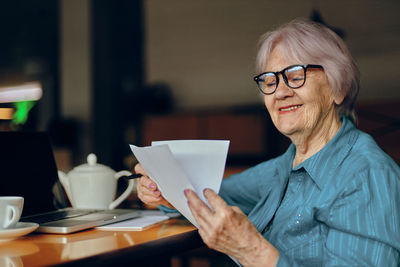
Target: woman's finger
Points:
(196, 202)
(203, 223)
(216, 202)
(145, 180)
(148, 183)
(147, 199)
(147, 191)
(202, 213)
(150, 192)
(139, 169)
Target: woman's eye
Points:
(295, 78)
(298, 78)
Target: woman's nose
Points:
(283, 90)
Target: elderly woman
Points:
(333, 198)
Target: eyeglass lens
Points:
(294, 77)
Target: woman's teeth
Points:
(290, 108)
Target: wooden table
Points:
(152, 247)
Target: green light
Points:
(21, 111)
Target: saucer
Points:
(21, 229)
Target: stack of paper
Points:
(184, 164)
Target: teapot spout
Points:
(65, 182)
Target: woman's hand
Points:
(228, 230)
(147, 190)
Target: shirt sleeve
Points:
(243, 189)
(167, 210)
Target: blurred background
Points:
(119, 72)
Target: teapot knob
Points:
(92, 159)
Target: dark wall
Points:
(117, 74)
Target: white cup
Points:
(10, 211)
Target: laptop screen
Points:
(28, 169)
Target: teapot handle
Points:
(126, 193)
(65, 182)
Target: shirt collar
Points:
(325, 161)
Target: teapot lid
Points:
(92, 166)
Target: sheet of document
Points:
(136, 224)
(203, 161)
(184, 164)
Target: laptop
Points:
(28, 169)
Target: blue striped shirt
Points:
(340, 207)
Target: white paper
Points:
(136, 224)
(184, 164)
(146, 219)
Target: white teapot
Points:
(94, 186)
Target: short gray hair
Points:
(313, 43)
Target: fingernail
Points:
(188, 203)
(204, 190)
(152, 186)
(186, 191)
(156, 192)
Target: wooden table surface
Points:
(101, 248)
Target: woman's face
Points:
(299, 111)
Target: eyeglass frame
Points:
(282, 72)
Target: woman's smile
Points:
(289, 109)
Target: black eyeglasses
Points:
(294, 77)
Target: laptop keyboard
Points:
(56, 215)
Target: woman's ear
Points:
(338, 98)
